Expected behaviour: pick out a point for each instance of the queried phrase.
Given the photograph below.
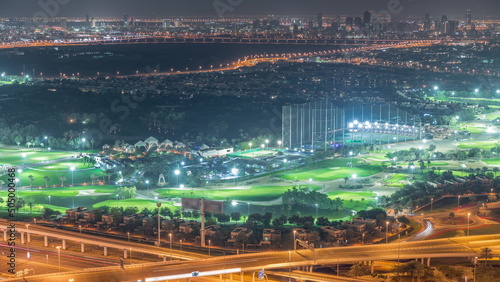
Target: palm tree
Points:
(62, 178)
(486, 253)
(47, 179)
(31, 181)
(93, 177)
(345, 180)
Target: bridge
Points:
(466, 247)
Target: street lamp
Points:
(177, 172)
(209, 246)
(350, 154)
(49, 199)
(128, 236)
(363, 239)
(279, 144)
(147, 186)
(27, 241)
(386, 231)
(294, 242)
(159, 227)
(59, 255)
(316, 211)
(432, 201)
(250, 144)
(248, 209)
(267, 144)
(180, 244)
(458, 201)
(468, 223)
(80, 227)
(170, 235)
(72, 170)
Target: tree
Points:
(358, 270)
(62, 178)
(31, 181)
(47, 179)
(235, 216)
(345, 180)
(487, 254)
(93, 177)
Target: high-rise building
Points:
(125, 20)
(319, 19)
(450, 27)
(88, 19)
(367, 17)
(349, 21)
(444, 18)
(427, 22)
(256, 24)
(358, 22)
(166, 23)
(93, 24)
(468, 20)
(295, 29)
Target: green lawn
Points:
(330, 170)
(65, 166)
(256, 193)
(472, 128)
(63, 191)
(39, 181)
(491, 116)
(15, 157)
(395, 179)
(494, 161)
(357, 202)
(492, 229)
(140, 204)
(485, 145)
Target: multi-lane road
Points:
(248, 263)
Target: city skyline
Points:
(75, 8)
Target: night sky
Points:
(165, 8)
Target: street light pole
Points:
(59, 255)
(316, 211)
(294, 242)
(432, 200)
(170, 235)
(159, 227)
(27, 241)
(209, 246)
(458, 205)
(386, 231)
(468, 223)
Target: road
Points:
(94, 240)
(456, 247)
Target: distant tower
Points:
(427, 22)
(256, 24)
(469, 17)
(367, 17)
(88, 19)
(319, 19)
(125, 20)
(358, 22)
(348, 23)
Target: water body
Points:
(129, 58)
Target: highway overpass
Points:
(467, 247)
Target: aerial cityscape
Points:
(237, 140)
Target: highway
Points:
(94, 240)
(456, 247)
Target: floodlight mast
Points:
(203, 222)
